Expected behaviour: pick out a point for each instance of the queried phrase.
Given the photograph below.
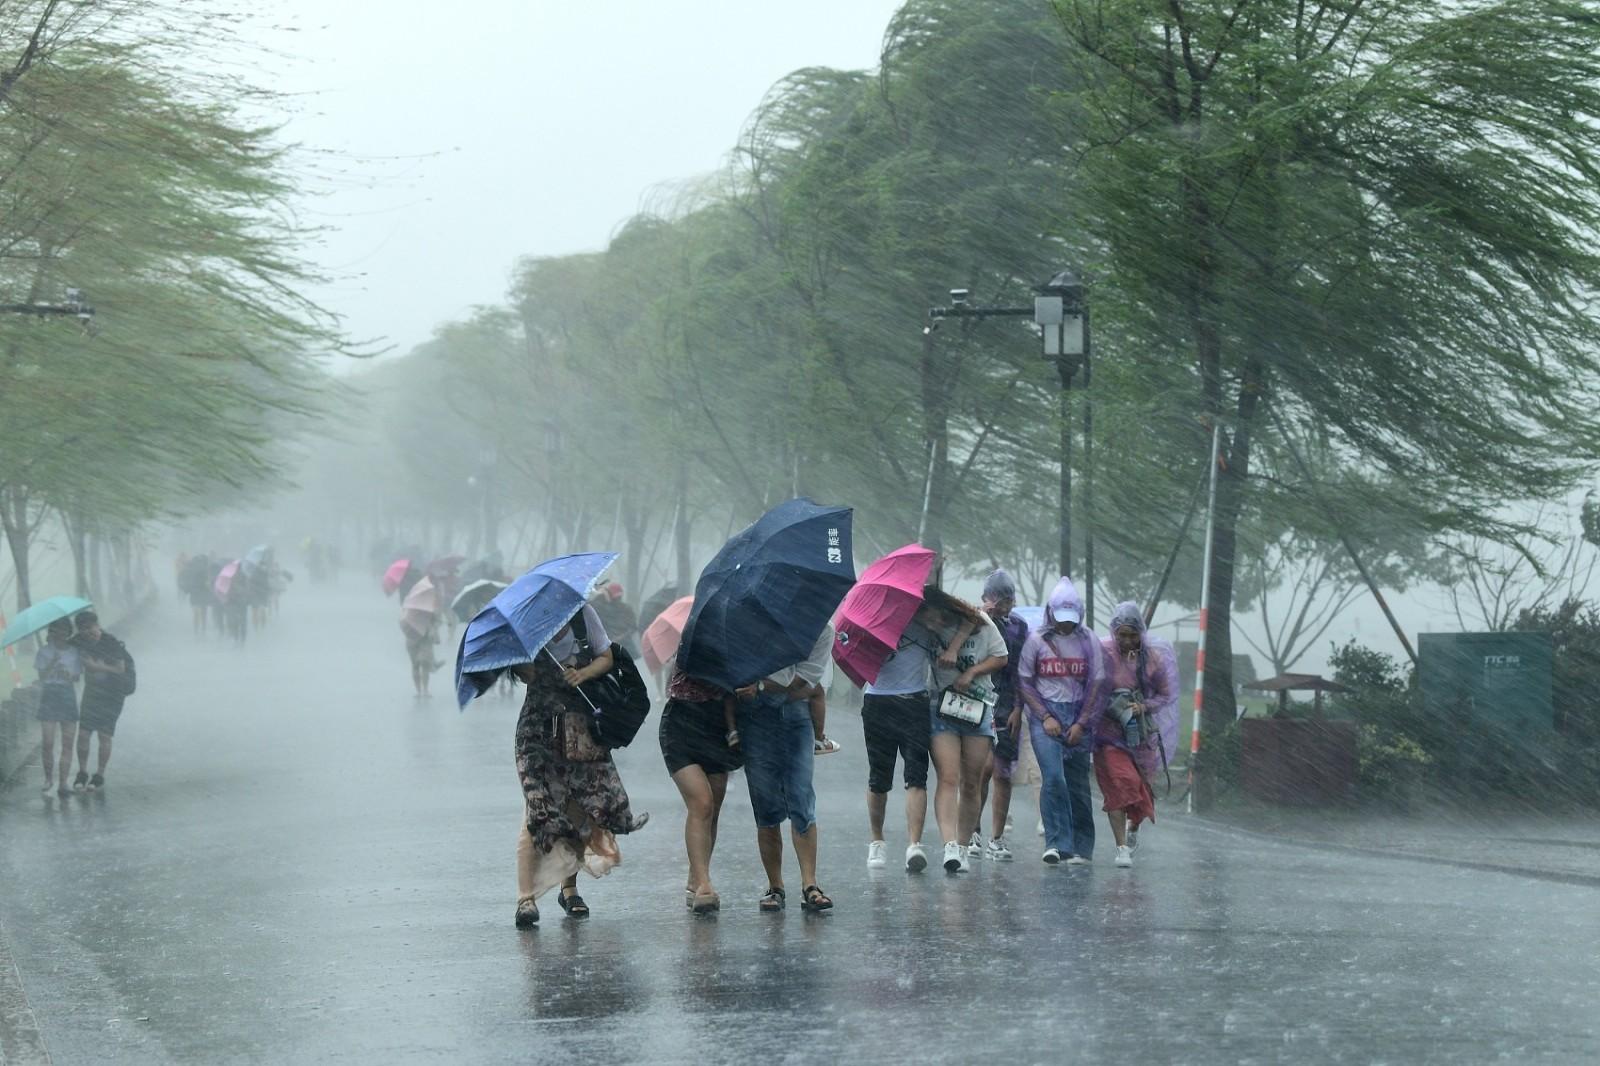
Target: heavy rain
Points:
(868, 531)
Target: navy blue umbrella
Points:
(523, 617)
(760, 605)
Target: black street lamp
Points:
(1061, 312)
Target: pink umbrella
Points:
(661, 637)
(424, 596)
(876, 612)
(394, 575)
(224, 580)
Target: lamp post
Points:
(1062, 315)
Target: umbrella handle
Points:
(580, 691)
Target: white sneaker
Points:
(1133, 840)
(877, 854)
(1077, 860)
(998, 852)
(955, 858)
(1124, 856)
(916, 858)
(975, 847)
(1041, 827)
(1052, 856)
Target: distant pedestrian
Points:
(59, 666)
(195, 579)
(421, 631)
(999, 597)
(574, 805)
(776, 734)
(621, 623)
(1062, 676)
(107, 682)
(700, 747)
(1133, 739)
(961, 715)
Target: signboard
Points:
(1499, 680)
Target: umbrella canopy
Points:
(424, 597)
(32, 619)
(225, 576)
(474, 598)
(760, 605)
(523, 617)
(257, 555)
(876, 612)
(445, 564)
(661, 637)
(394, 575)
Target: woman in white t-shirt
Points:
(961, 709)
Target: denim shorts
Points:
(778, 761)
(941, 724)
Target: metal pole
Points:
(1088, 484)
(1066, 369)
(1205, 607)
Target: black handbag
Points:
(619, 696)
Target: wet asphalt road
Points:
(297, 862)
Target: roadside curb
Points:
(1556, 876)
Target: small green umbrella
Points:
(40, 615)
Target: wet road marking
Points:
(21, 1043)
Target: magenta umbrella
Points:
(876, 612)
(224, 580)
(394, 575)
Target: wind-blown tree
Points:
(1367, 221)
(144, 188)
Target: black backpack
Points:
(127, 682)
(619, 695)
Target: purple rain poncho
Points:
(1156, 678)
(1069, 670)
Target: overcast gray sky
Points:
(468, 134)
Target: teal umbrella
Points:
(40, 615)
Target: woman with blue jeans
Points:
(776, 737)
(1062, 675)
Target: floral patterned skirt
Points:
(565, 801)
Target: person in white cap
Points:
(1062, 676)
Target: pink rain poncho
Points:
(1152, 672)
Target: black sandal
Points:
(774, 901)
(813, 899)
(527, 914)
(573, 905)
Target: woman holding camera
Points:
(1137, 734)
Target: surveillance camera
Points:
(959, 297)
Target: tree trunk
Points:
(682, 531)
(1220, 706)
(77, 540)
(14, 520)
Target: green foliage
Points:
(141, 183)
